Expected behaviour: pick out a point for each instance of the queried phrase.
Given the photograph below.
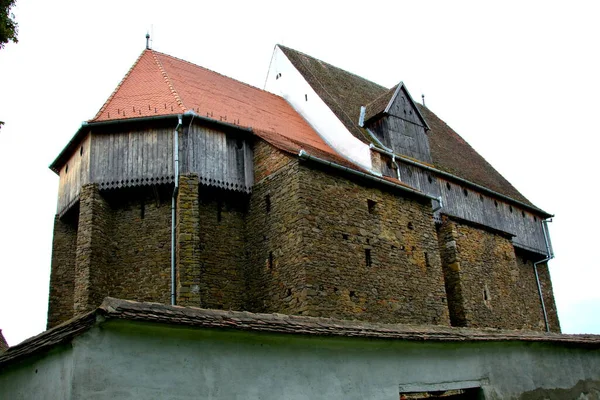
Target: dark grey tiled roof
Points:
(344, 93)
(193, 317)
(3, 343)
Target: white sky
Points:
(518, 80)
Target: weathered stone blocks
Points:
(488, 283)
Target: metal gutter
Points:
(304, 155)
(462, 180)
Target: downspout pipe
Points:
(305, 156)
(173, 208)
(535, 264)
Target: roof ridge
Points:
(119, 85)
(168, 81)
(217, 73)
(323, 87)
(333, 66)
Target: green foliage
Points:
(8, 26)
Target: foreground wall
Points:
(122, 360)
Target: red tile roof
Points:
(158, 84)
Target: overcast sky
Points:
(518, 80)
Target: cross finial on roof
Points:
(147, 41)
(423, 99)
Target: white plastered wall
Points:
(284, 80)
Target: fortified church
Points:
(324, 237)
(323, 195)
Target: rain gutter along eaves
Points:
(305, 156)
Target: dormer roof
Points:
(382, 104)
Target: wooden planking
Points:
(146, 157)
(71, 180)
(478, 207)
(131, 158)
(219, 159)
(403, 137)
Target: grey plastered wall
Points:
(48, 376)
(123, 360)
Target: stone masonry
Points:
(62, 274)
(370, 253)
(91, 259)
(307, 241)
(486, 283)
(275, 271)
(323, 245)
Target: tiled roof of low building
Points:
(117, 309)
(345, 93)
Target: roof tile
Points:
(345, 93)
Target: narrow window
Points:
(523, 214)
(481, 197)
(81, 151)
(270, 263)
(305, 97)
(465, 192)
(268, 203)
(429, 178)
(510, 208)
(345, 236)
(410, 226)
(371, 206)
(496, 203)
(66, 168)
(368, 261)
(448, 186)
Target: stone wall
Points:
(370, 254)
(486, 283)
(311, 233)
(62, 274)
(188, 242)
(140, 242)
(115, 243)
(306, 241)
(93, 247)
(222, 248)
(528, 294)
(275, 267)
